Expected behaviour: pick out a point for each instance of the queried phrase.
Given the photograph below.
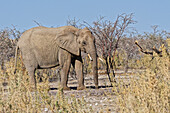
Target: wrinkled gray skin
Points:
(43, 47)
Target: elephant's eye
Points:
(83, 43)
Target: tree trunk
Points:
(110, 70)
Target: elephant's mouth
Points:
(83, 50)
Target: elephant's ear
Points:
(68, 42)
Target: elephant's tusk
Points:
(101, 59)
(90, 57)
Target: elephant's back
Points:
(40, 43)
(37, 32)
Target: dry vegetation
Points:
(15, 95)
(145, 91)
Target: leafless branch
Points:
(73, 22)
(37, 23)
(148, 52)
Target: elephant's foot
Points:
(81, 87)
(66, 88)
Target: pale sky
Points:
(22, 13)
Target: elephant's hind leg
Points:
(31, 65)
(32, 80)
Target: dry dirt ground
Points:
(102, 99)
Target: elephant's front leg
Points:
(66, 61)
(79, 72)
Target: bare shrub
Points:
(8, 40)
(107, 35)
(129, 52)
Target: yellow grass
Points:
(145, 92)
(15, 95)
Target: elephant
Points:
(43, 47)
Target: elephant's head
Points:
(86, 43)
(80, 40)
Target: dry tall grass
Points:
(144, 92)
(147, 92)
(15, 95)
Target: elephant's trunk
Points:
(95, 67)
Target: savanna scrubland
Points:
(136, 65)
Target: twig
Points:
(37, 23)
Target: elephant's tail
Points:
(16, 54)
